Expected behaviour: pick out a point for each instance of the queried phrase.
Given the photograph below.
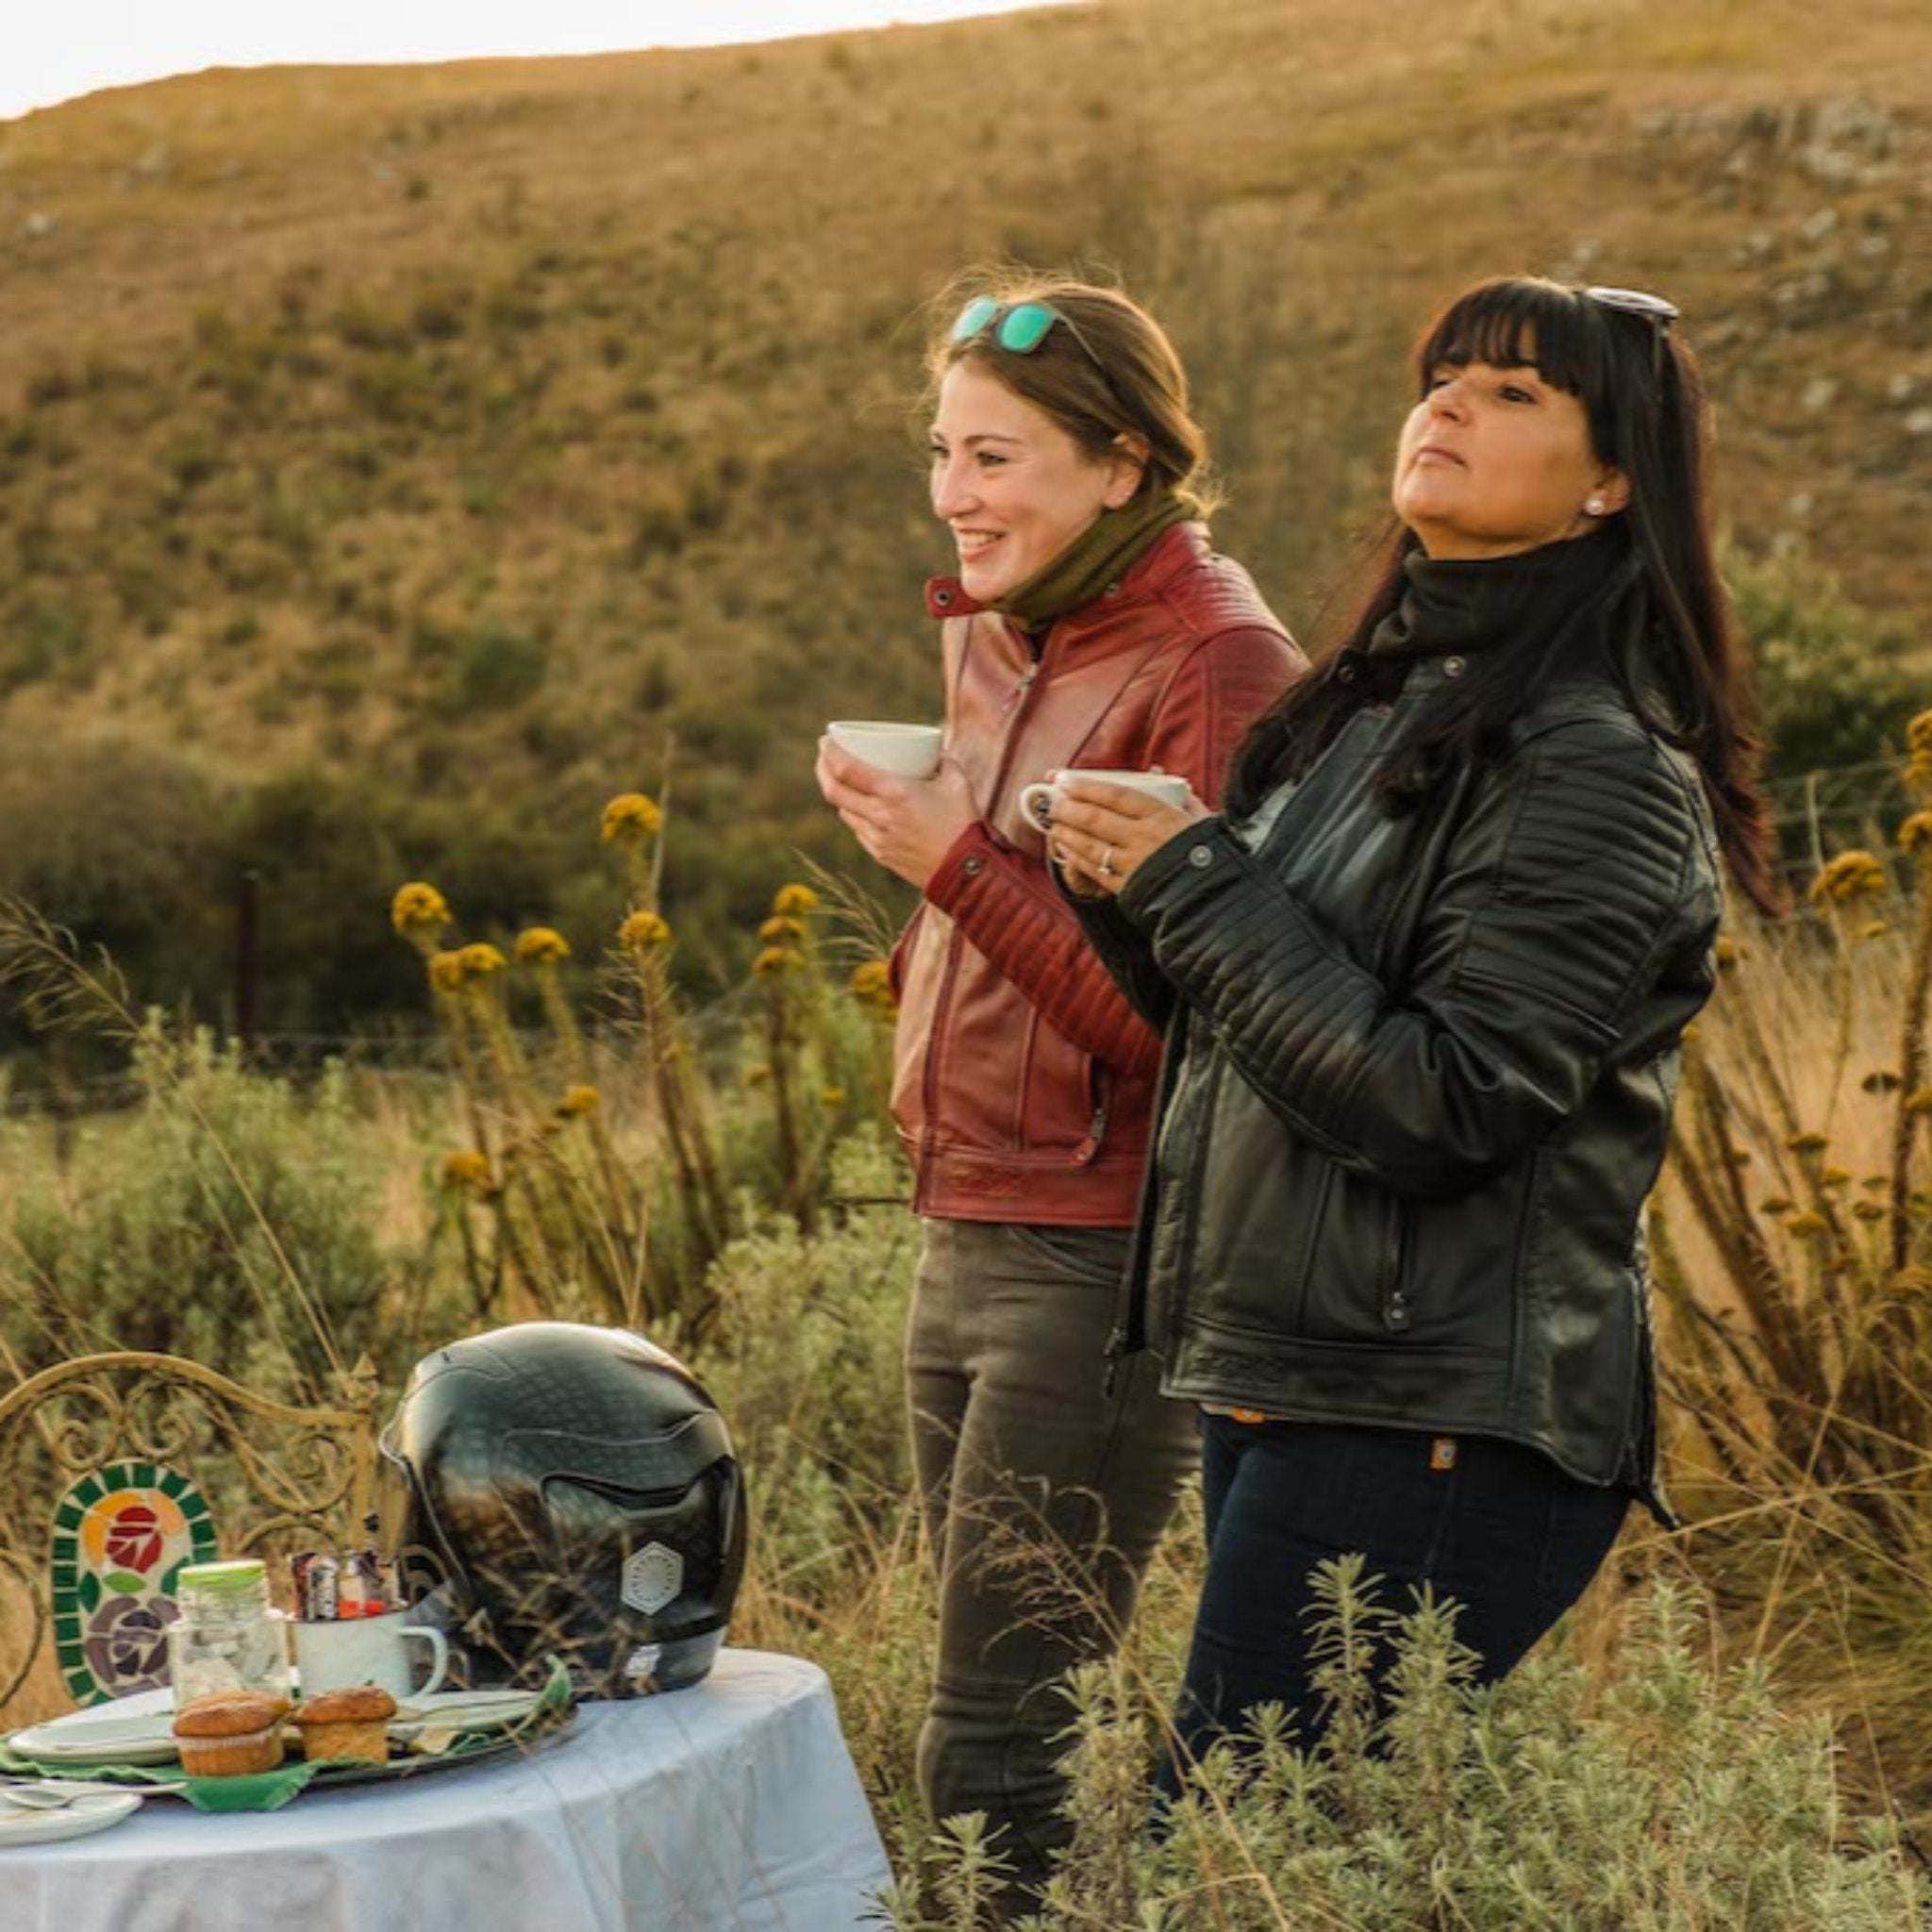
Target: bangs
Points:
(1519, 323)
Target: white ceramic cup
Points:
(1037, 801)
(908, 751)
(348, 1650)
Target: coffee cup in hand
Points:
(908, 751)
(1037, 801)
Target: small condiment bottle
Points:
(226, 1635)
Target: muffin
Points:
(346, 1724)
(230, 1733)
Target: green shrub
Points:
(497, 666)
(228, 1217)
(805, 1364)
(1676, 1800)
(1834, 685)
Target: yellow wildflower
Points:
(1876, 931)
(776, 959)
(479, 962)
(1850, 876)
(1807, 1144)
(794, 900)
(417, 909)
(1867, 1210)
(579, 1100)
(1776, 1204)
(873, 983)
(541, 945)
(1915, 834)
(1809, 1226)
(832, 1096)
(778, 929)
(446, 972)
(1919, 734)
(630, 818)
(1728, 952)
(643, 931)
(1834, 1178)
(467, 1169)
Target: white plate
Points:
(94, 1813)
(127, 1730)
(467, 1710)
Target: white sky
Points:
(51, 53)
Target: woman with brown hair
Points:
(1089, 624)
(1423, 982)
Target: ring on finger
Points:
(1107, 862)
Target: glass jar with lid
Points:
(228, 1636)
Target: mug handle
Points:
(439, 1655)
(1038, 816)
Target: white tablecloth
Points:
(732, 1805)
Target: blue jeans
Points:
(1496, 1526)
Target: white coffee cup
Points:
(1037, 801)
(908, 751)
(347, 1651)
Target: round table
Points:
(732, 1805)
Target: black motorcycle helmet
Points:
(557, 1488)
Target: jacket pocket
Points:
(1057, 1095)
(1352, 1286)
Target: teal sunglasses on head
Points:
(1018, 327)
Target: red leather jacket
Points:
(1024, 1082)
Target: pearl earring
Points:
(1595, 507)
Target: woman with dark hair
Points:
(1090, 623)
(1422, 983)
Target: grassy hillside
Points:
(391, 460)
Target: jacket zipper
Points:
(1096, 1133)
(1396, 1314)
(1014, 704)
(1185, 1231)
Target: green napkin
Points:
(18, 1764)
(261, 1790)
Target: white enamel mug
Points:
(347, 1651)
(1037, 801)
(908, 751)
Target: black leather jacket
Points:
(1418, 1084)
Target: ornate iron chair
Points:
(107, 1467)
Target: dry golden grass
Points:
(748, 234)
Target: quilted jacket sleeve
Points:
(1582, 864)
(1006, 902)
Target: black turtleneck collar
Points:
(1455, 609)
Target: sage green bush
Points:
(805, 1363)
(1672, 1799)
(1834, 680)
(227, 1217)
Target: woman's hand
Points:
(1101, 833)
(907, 824)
